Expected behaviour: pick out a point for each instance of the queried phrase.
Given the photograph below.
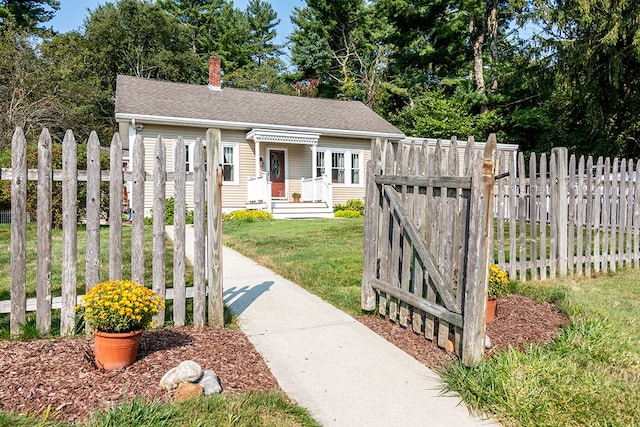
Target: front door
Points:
(276, 173)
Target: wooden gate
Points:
(427, 239)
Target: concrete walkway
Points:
(329, 363)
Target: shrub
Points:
(356, 205)
(347, 213)
(247, 215)
(169, 214)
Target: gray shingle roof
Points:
(137, 97)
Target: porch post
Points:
(257, 147)
(314, 162)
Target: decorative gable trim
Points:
(267, 135)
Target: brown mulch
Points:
(59, 373)
(520, 321)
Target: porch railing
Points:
(317, 190)
(260, 189)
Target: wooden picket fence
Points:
(45, 302)
(427, 241)
(558, 215)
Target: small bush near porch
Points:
(589, 375)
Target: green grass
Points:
(323, 256)
(56, 259)
(29, 330)
(589, 375)
(251, 409)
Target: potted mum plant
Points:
(498, 286)
(118, 311)
(296, 197)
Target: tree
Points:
(28, 14)
(593, 50)
(341, 43)
(27, 93)
(138, 38)
(262, 21)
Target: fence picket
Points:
(571, 214)
(533, 219)
(606, 215)
(18, 232)
(589, 182)
(43, 272)
(137, 211)
(92, 261)
(69, 233)
(522, 218)
(199, 250)
(544, 215)
(580, 206)
(115, 209)
(179, 221)
(159, 186)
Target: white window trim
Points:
(347, 165)
(236, 161)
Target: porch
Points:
(316, 199)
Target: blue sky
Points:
(72, 14)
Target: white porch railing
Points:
(317, 190)
(259, 189)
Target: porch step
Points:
(284, 210)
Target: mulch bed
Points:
(520, 321)
(59, 373)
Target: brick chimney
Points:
(214, 73)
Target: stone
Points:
(187, 391)
(186, 372)
(210, 382)
(487, 342)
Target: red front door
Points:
(276, 173)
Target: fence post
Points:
(214, 215)
(480, 250)
(18, 232)
(561, 208)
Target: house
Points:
(272, 145)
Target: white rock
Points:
(210, 382)
(487, 342)
(186, 372)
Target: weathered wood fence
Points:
(427, 241)
(44, 301)
(558, 215)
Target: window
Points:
(337, 168)
(230, 168)
(345, 168)
(187, 157)
(320, 163)
(355, 168)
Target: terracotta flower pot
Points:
(491, 310)
(115, 350)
